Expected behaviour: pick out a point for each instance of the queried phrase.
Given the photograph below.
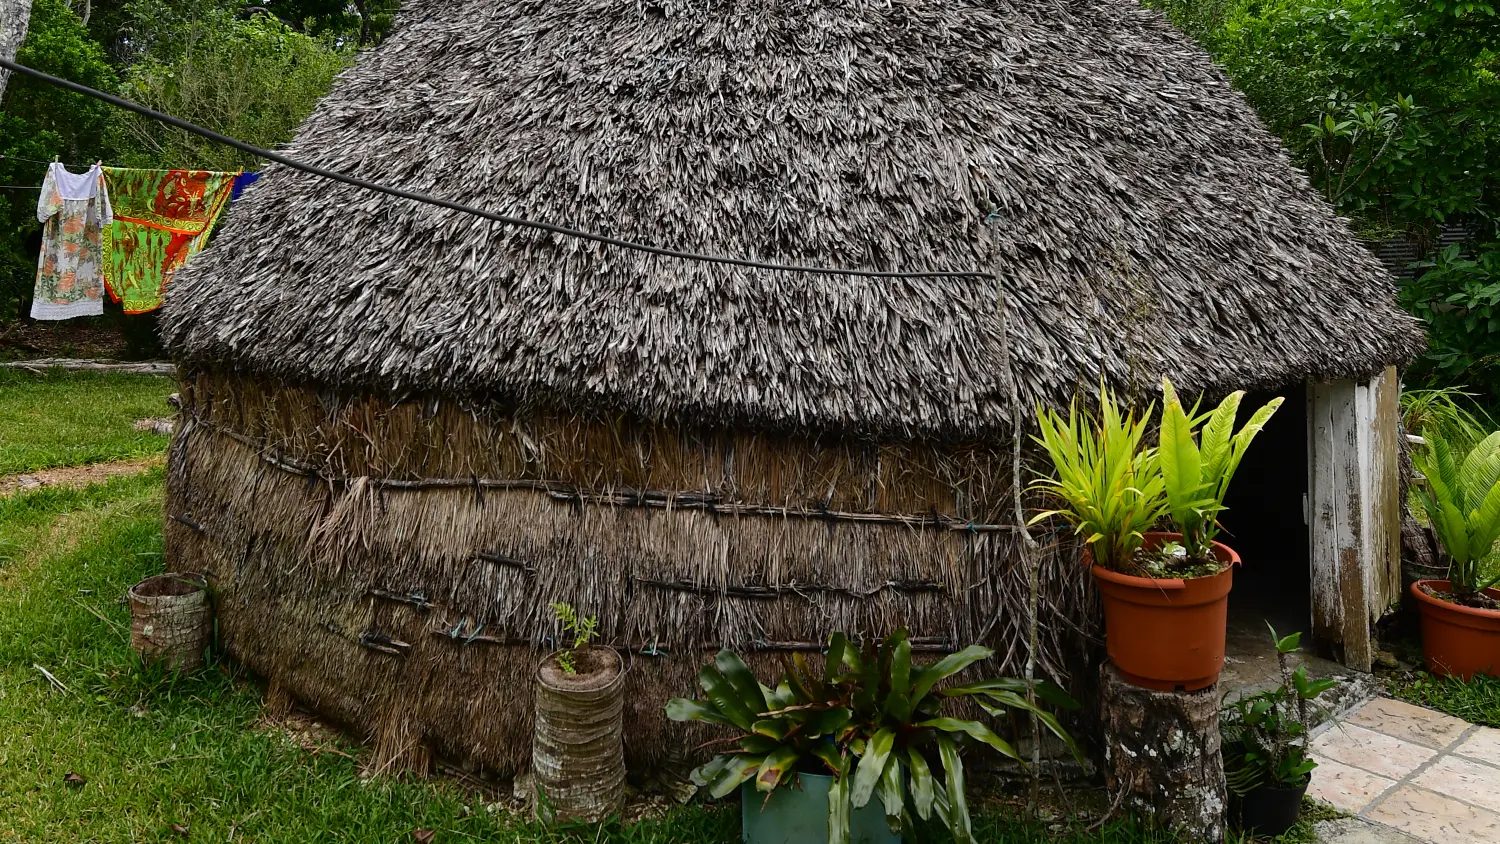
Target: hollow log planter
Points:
(171, 620)
(1161, 755)
(578, 752)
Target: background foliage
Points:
(1393, 109)
(248, 70)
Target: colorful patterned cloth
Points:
(75, 210)
(162, 218)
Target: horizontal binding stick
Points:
(662, 499)
(377, 641)
(182, 520)
(793, 588)
(500, 560)
(415, 599)
(928, 644)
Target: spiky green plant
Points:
(581, 628)
(1197, 463)
(1447, 412)
(1462, 498)
(1265, 735)
(873, 720)
(1108, 482)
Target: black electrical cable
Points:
(455, 206)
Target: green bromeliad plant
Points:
(1462, 499)
(872, 719)
(1198, 456)
(1108, 480)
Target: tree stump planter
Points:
(1457, 641)
(578, 753)
(171, 620)
(1161, 755)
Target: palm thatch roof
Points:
(1139, 218)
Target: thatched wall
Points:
(391, 565)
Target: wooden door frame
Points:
(1354, 511)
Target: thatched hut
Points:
(406, 430)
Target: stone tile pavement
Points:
(1429, 775)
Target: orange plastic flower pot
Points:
(1168, 634)
(1457, 641)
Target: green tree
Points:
(254, 79)
(1393, 109)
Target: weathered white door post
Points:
(1353, 510)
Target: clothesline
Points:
(37, 160)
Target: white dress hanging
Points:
(74, 209)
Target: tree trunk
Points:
(74, 365)
(578, 754)
(171, 620)
(1161, 755)
(14, 16)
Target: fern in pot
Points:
(1461, 615)
(1266, 761)
(860, 746)
(1165, 593)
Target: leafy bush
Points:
(1112, 487)
(1108, 480)
(1265, 734)
(1393, 109)
(1196, 478)
(1459, 299)
(1447, 412)
(254, 79)
(1462, 498)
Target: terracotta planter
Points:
(1458, 641)
(1167, 634)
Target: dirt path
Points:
(75, 476)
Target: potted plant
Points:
(1165, 594)
(1461, 615)
(826, 743)
(577, 753)
(1266, 763)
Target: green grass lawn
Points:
(1476, 701)
(157, 750)
(75, 418)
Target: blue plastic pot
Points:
(800, 815)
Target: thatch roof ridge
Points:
(1140, 219)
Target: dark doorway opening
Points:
(1264, 522)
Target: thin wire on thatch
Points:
(1103, 150)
